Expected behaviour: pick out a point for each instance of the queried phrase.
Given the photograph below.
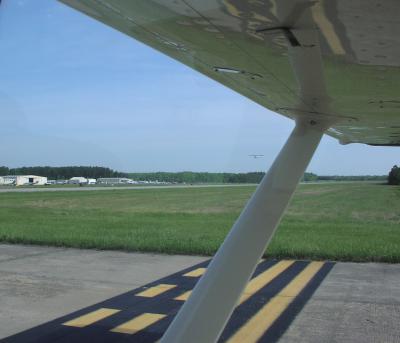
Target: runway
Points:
(107, 188)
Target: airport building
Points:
(114, 180)
(19, 180)
(77, 180)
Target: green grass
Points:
(337, 221)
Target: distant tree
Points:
(310, 177)
(394, 176)
(4, 170)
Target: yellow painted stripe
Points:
(184, 296)
(156, 290)
(262, 279)
(200, 271)
(256, 283)
(91, 317)
(195, 273)
(327, 28)
(232, 9)
(253, 330)
(138, 323)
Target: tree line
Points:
(63, 173)
(252, 177)
(198, 177)
(352, 178)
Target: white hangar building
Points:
(19, 180)
(77, 180)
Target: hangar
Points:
(77, 180)
(19, 180)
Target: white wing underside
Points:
(336, 60)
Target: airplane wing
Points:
(338, 59)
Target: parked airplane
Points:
(332, 66)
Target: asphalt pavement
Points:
(54, 295)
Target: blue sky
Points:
(75, 92)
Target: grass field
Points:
(337, 221)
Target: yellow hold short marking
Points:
(255, 284)
(138, 323)
(254, 329)
(200, 271)
(263, 279)
(195, 273)
(184, 296)
(156, 290)
(91, 317)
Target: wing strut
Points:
(206, 312)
